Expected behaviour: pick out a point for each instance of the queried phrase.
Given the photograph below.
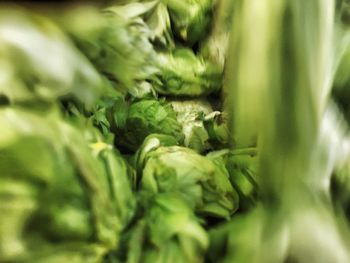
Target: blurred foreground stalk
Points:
(280, 68)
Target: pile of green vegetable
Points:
(163, 131)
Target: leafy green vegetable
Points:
(46, 213)
(204, 129)
(155, 14)
(143, 118)
(190, 114)
(120, 178)
(117, 44)
(194, 178)
(241, 165)
(183, 74)
(151, 143)
(190, 18)
(169, 232)
(214, 47)
(39, 63)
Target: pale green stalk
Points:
(279, 75)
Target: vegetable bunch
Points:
(175, 131)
